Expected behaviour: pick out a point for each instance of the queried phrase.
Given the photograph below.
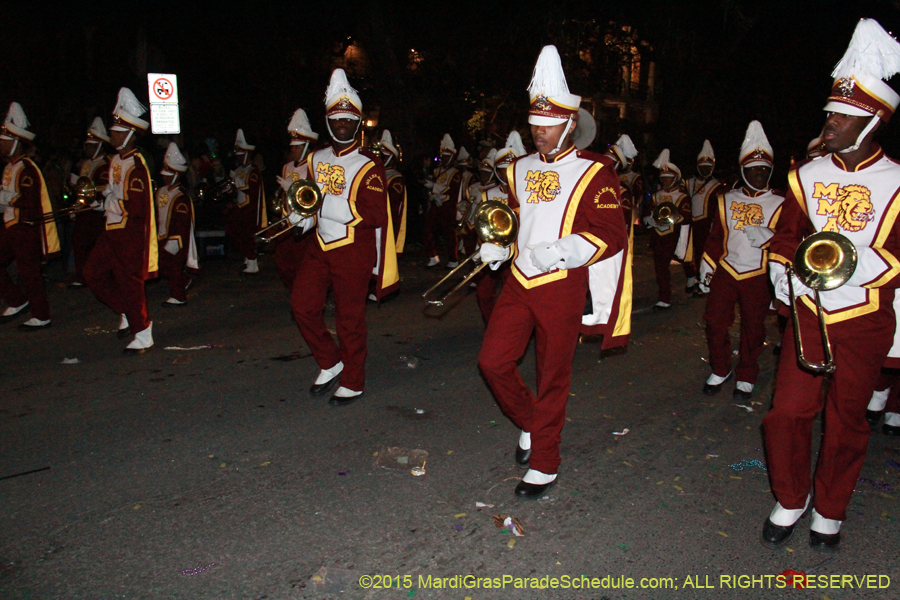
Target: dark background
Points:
(718, 66)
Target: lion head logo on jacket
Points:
(856, 208)
(333, 178)
(745, 213)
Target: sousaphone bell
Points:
(666, 213)
(823, 261)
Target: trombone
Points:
(303, 198)
(666, 213)
(823, 261)
(496, 223)
(81, 194)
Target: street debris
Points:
(410, 362)
(203, 347)
(749, 464)
(70, 361)
(402, 459)
(623, 432)
(745, 407)
(885, 487)
(483, 505)
(197, 570)
(507, 524)
(334, 581)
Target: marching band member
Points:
(467, 240)
(570, 219)
(89, 224)
(390, 156)
(444, 193)
(851, 191)
(623, 153)
(355, 239)
(29, 232)
(126, 255)
(249, 214)
(734, 268)
(702, 189)
(669, 241)
(175, 226)
(290, 248)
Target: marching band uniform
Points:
(734, 270)
(440, 218)
(89, 224)
(702, 189)
(570, 221)
(126, 255)
(396, 186)
(466, 241)
(669, 241)
(824, 194)
(26, 236)
(175, 226)
(630, 183)
(290, 248)
(355, 239)
(249, 214)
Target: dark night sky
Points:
(720, 64)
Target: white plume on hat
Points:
(706, 152)
(387, 141)
(463, 154)
(241, 142)
(513, 148)
(299, 126)
(98, 130)
(17, 123)
(339, 88)
(129, 109)
(872, 51)
(626, 146)
(447, 144)
(549, 81)
(175, 160)
(663, 163)
(756, 149)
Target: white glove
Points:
(437, 200)
(97, 205)
(545, 256)
(6, 197)
(296, 219)
(305, 223)
(758, 235)
(107, 191)
(429, 184)
(172, 247)
(73, 178)
(493, 254)
(781, 288)
(284, 182)
(648, 222)
(703, 288)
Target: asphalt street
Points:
(210, 473)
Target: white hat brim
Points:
(846, 109)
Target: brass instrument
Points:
(666, 213)
(823, 261)
(495, 223)
(78, 198)
(462, 226)
(303, 198)
(216, 192)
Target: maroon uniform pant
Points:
(85, 232)
(22, 243)
(860, 346)
(289, 253)
(700, 230)
(663, 247)
(346, 270)
(115, 274)
(486, 285)
(553, 313)
(171, 266)
(753, 296)
(439, 222)
(241, 228)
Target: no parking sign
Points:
(163, 93)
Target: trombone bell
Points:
(824, 261)
(666, 213)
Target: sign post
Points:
(163, 93)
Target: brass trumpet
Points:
(823, 261)
(495, 223)
(216, 192)
(666, 213)
(303, 198)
